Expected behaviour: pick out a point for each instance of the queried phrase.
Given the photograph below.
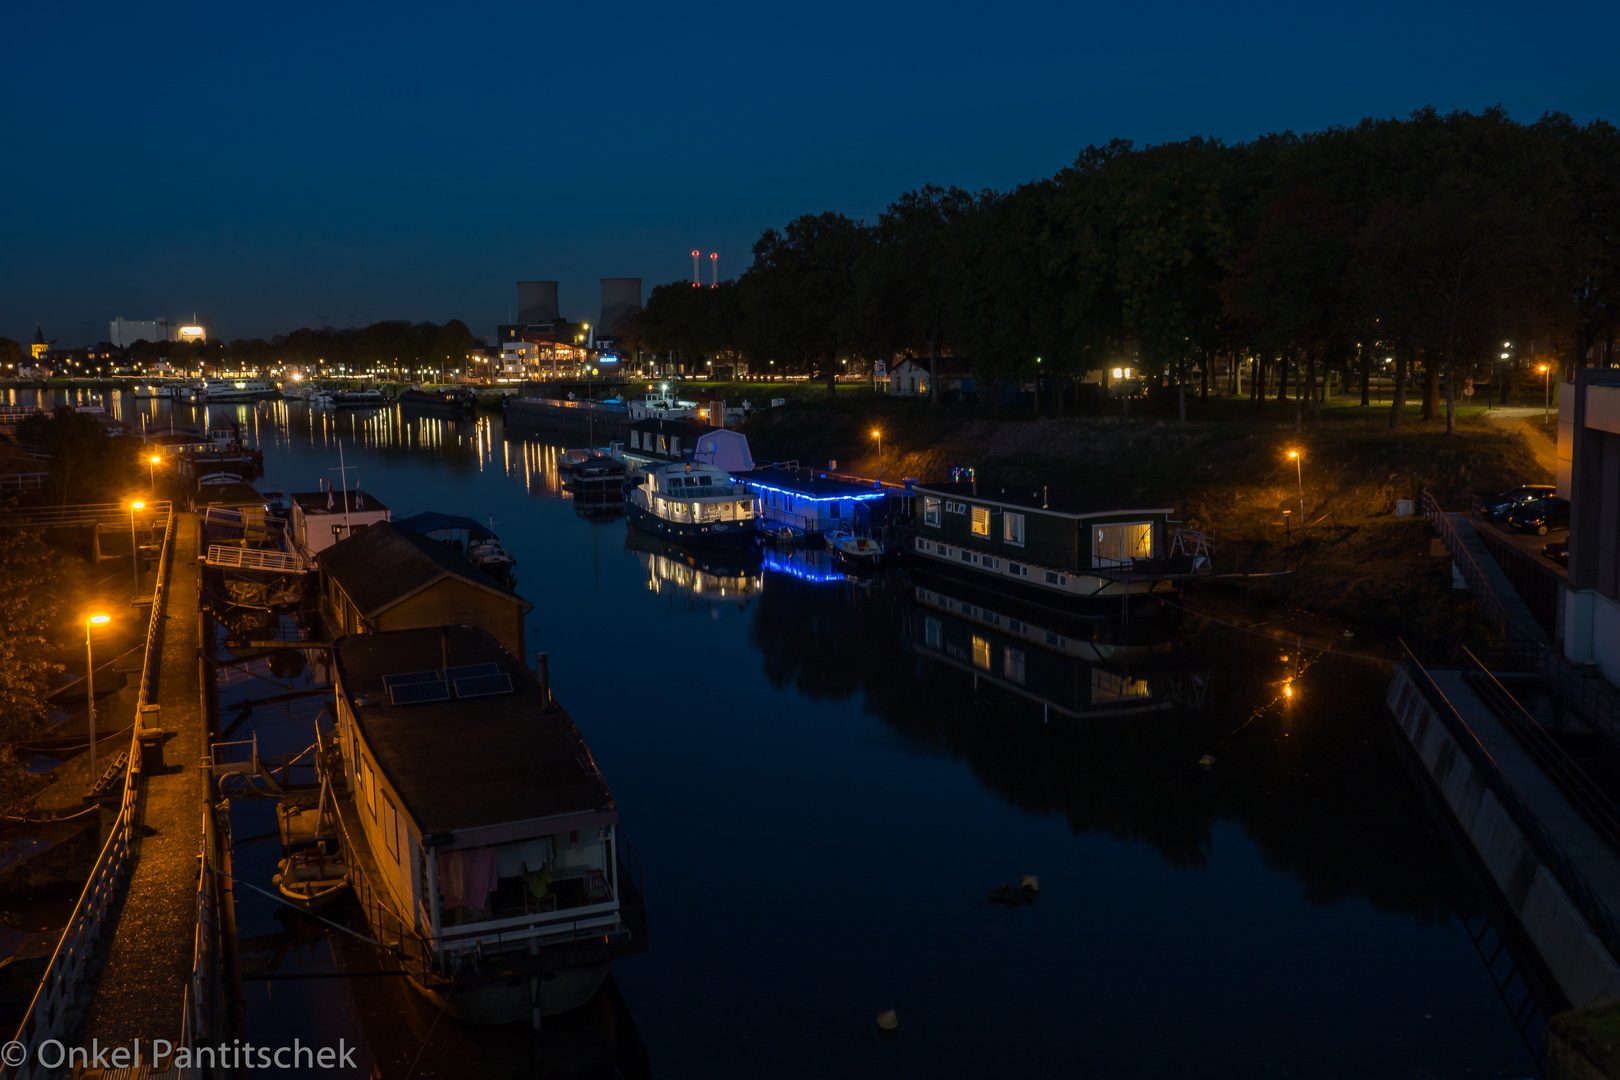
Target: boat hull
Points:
(726, 535)
(511, 1000)
(436, 406)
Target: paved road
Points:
(1529, 543)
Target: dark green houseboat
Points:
(1054, 549)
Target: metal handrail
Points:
(1483, 594)
(83, 514)
(1585, 898)
(1571, 780)
(65, 975)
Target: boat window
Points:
(1055, 578)
(635, 439)
(1117, 545)
(930, 510)
(390, 826)
(981, 521)
(933, 633)
(704, 481)
(981, 653)
(1012, 528)
(1013, 664)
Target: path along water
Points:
(824, 780)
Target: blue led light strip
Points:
(818, 498)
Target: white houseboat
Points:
(322, 518)
(692, 503)
(480, 833)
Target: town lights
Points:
(97, 619)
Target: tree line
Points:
(1431, 240)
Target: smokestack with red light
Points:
(695, 284)
(714, 270)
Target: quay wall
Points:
(569, 416)
(1574, 955)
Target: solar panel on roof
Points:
(483, 685)
(409, 677)
(418, 692)
(468, 670)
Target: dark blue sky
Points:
(270, 164)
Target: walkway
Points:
(1527, 422)
(1502, 597)
(140, 990)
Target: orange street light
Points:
(97, 619)
(134, 546)
(1546, 389)
(1299, 477)
(878, 435)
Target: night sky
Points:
(279, 165)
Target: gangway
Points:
(50, 517)
(246, 558)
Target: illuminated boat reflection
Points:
(709, 576)
(1083, 676)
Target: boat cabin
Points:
(391, 578)
(489, 825)
(1073, 547)
(816, 502)
(322, 518)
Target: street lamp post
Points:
(90, 684)
(1299, 478)
(151, 473)
(1546, 394)
(878, 435)
(134, 547)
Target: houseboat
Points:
(479, 833)
(692, 503)
(655, 441)
(661, 403)
(218, 391)
(357, 399)
(818, 503)
(438, 400)
(322, 518)
(1077, 552)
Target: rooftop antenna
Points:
(695, 270)
(343, 476)
(714, 270)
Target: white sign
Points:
(880, 370)
(778, 401)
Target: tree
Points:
(798, 296)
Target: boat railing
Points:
(70, 974)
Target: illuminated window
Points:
(981, 521)
(1117, 545)
(930, 511)
(1013, 665)
(981, 653)
(1012, 528)
(1108, 687)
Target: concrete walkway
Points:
(140, 991)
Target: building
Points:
(1589, 477)
(125, 332)
(40, 346)
(908, 379)
(1032, 543)
(322, 518)
(389, 578)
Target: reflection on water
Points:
(824, 776)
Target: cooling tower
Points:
(537, 302)
(621, 298)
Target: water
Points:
(823, 780)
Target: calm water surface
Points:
(822, 781)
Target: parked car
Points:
(1540, 515)
(1497, 506)
(1558, 552)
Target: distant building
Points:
(389, 578)
(125, 332)
(908, 379)
(40, 346)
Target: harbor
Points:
(952, 738)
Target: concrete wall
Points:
(1577, 959)
(1592, 631)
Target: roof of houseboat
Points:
(1061, 504)
(467, 763)
(691, 428)
(356, 501)
(812, 484)
(383, 564)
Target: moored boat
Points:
(855, 547)
(439, 401)
(508, 896)
(692, 503)
(216, 391)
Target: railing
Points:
(236, 558)
(65, 976)
(200, 1017)
(1571, 780)
(1472, 573)
(48, 517)
(1595, 912)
